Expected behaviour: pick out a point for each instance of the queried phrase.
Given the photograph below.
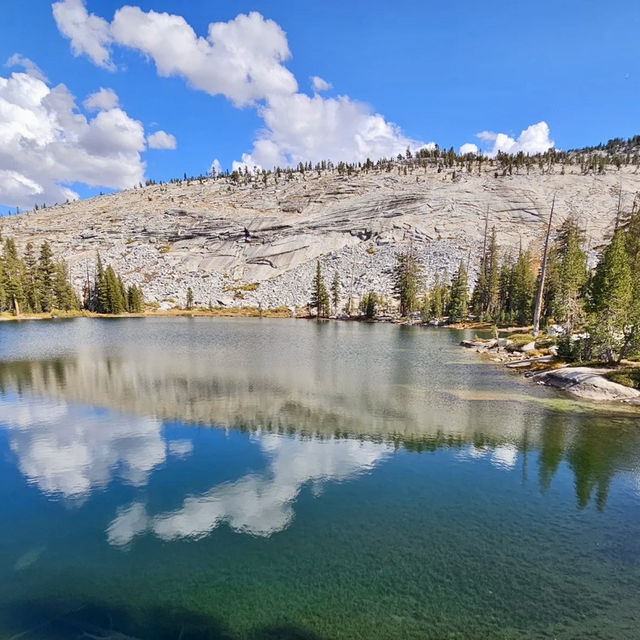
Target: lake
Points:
(247, 479)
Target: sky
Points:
(98, 95)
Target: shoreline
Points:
(545, 368)
(216, 312)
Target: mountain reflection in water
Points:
(346, 423)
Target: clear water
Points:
(196, 478)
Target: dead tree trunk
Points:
(543, 275)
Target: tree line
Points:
(603, 302)
(37, 282)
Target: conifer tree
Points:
(369, 305)
(113, 288)
(458, 302)
(632, 229)
(65, 297)
(568, 275)
(189, 298)
(101, 302)
(407, 275)
(506, 289)
(319, 294)
(425, 308)
(435, 299)
(493, 277)
(612, 296)
(46, 276)
(13, 277)
(335, 291)
(31, 284)
(523, 288)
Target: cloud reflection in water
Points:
(70, 450)
(258, 504)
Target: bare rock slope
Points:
(217, 237)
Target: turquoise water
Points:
(197, 478)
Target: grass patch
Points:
(520, 339)
(628, 376)
(251, 286)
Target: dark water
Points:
(176, 478)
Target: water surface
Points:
(198, 478)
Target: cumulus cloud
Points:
(468, 147)
(102, 100)
(89, 34)
(17, 60)
(320, 84)
(301, 128)
(243, 60)
(162, 140)
(216, 168)
(534, 139)
(47, 144)
(240, 59)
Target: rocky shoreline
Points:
(542, 366)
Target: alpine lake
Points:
(182, 478)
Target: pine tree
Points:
(335, 291)
(319, 295)
(135, 300)
(458, 303)
(65, 297)
(506, 289)
(436, 298)
(407, 274)
(189, 298)
(485, 300)
(369, 305)
(114, 296)
(13, 277)
(101, 298)
(568, 275)
(612, 296)
(492, 300)
(523, 286)
(46, 276)
(31, 284)
(632, 229)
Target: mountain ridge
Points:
(256, 243)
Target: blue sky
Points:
(440, 71)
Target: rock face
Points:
(218, 237)
(586, 382)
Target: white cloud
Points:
(102, 100)
(301, 128)
(162, 140)
(17, 60)
(468, 147)
(216, 168)
(243, 59)
(88, 33)
(534, 139)
(320, 84)
(47, 144)
(240, 59)
(260, 505)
